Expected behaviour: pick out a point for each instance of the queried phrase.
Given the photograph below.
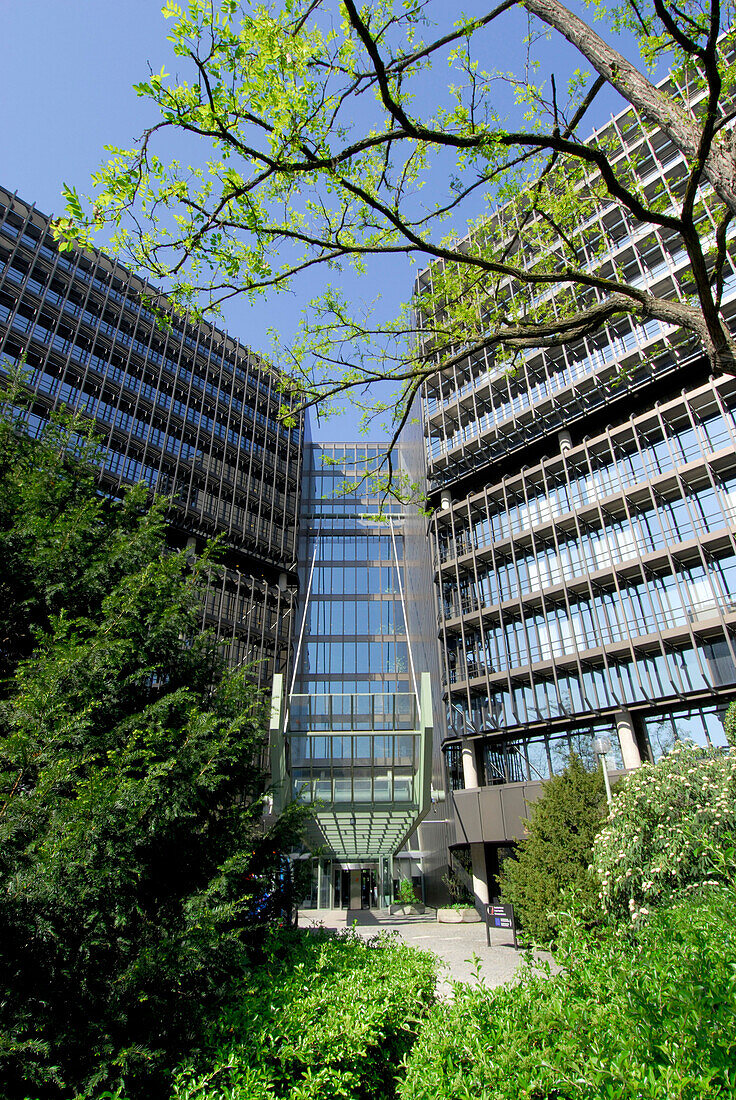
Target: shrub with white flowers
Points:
(672, 829)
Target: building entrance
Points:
(355, 887)
(365, 884)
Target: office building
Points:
(584, 536)
(180, 406)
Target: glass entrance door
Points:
(369, 888)
(341, 889)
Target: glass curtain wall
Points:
(353, 663)
(353, 708)
(584, 517)
(615, 599)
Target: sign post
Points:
(500, 916)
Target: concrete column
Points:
(445, 500)
(282, 582)
(480, 876)
(627, 739)
(470, 770)
(565, 440)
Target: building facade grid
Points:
(178, 405)
(584, 525)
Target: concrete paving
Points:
(455, 944)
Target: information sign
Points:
(500, 916)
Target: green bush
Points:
(554, 858)
(672, 829)
(649, 1014)
(729, 724)
(325, 1017)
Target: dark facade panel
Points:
(178, 405)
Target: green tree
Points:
(729, 724)
(551, 868)
(63, 544)
(132, 855)
(336, 135)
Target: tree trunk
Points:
(664, 111)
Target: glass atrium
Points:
(354, 718)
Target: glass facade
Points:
(609, 591)
(352, 575)
(703, 725)
(353, 681)
(180, 406)
(354, 714)
(584, 533)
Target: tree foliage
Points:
(63, 545)
(132, 856)
(729, 724)
(316, 133)
(551, 867)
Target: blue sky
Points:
(67, 92)
(66, 80)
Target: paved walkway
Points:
(454, 943)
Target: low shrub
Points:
(647, 1013)
(405, 895)
(325, 1017)
(672, 829)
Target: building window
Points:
(503, 762)
(703, 725)
(453, 756)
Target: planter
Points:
(398, 910)
(458, 916)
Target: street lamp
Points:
(601, 746)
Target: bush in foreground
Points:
(325, 1017)
(672, 829)
(648, 1014)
